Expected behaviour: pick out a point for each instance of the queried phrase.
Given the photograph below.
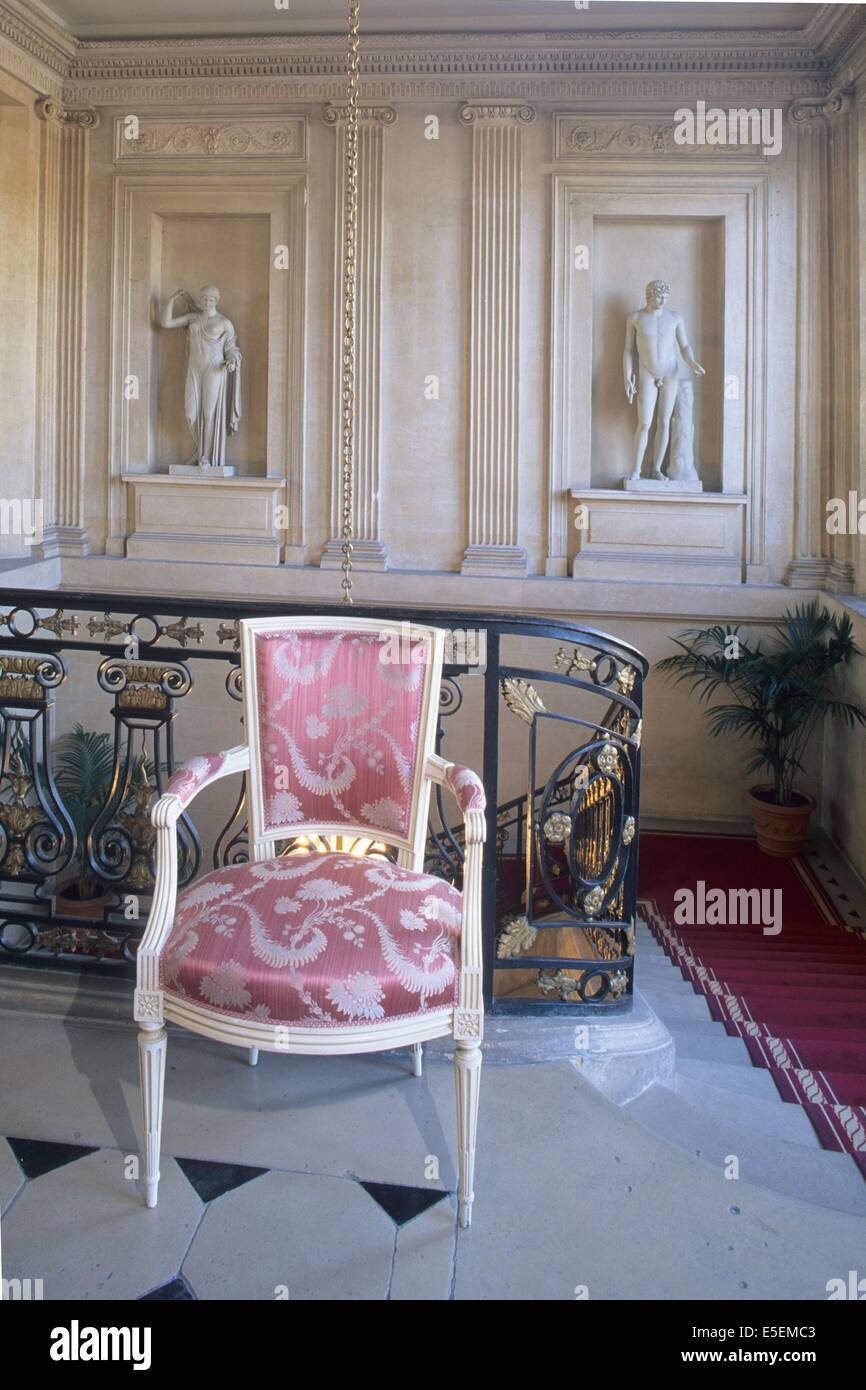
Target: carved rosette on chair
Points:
(323, 952)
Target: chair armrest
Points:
(468, 791)
(200, 771)
(464, 784)
(179, 792)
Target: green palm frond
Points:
(778, 693)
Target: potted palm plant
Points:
(83, 766)
(775, 695)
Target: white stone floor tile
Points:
(85, 1231)
(294, 1235)
(424, 1263)
(11, 1177)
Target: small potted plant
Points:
(83, 766)
(778, 694)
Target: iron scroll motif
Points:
(120, 841)
(37, 835)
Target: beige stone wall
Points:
(763, 255)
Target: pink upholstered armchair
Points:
(323, 952)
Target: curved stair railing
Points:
(560, 875)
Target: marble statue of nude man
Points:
(655, 333)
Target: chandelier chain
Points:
(350, 237)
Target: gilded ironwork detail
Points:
(522, 699)
(139, 830)
(108, 627)
(519, 936)
(182, 632)
(628, 830)
(593, 900)
(557, 828)
(58, 624)
(559, 983)
(578, 661)
(608, 760)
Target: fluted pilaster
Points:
(822, 458)
(62, 264)
(493, 543)
(368, 547)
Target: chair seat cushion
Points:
(317, 940)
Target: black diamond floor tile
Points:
(38, 1156)
(402, 1203)
(211, 1180)
(175, 1291)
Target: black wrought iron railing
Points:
(560, 873)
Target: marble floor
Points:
(333, 1178)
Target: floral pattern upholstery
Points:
(467, 787)
(316, 940)
(339, 719)
(193, 775)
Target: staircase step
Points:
(670, 1004)
(818, 1176)
(763, 1114)
(730, 1076)
(707, 1042)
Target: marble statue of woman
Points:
(212, 397)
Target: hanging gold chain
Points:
(350, 236)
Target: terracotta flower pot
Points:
(781, 830)
(69, 904)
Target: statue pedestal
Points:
(662, 485)
(659, 533)
(201, 470)
(205, 517)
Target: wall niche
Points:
(687, 252)
(234, 254)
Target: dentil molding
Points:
(45, 54)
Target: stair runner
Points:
(796, 998)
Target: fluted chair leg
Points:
(417, 1051)
(151, 1068)
(467, 1075)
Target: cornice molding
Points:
(624, 89)
(396, 65)
(36, 34)
(835, 31)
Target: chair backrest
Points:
(341, 716)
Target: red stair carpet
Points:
(797, 998)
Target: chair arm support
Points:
(468, 790)
(181, 788)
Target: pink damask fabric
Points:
(339, 720)
(316, 940)
(193, 775)
(467, 787)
